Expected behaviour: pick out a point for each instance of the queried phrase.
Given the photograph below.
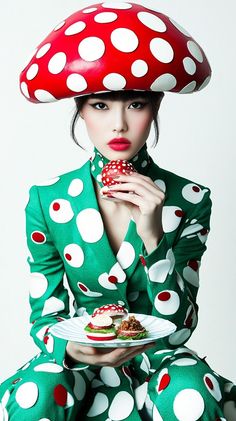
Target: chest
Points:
(116, 222)
(116, 226)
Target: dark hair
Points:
(154, 99)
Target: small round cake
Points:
(100, 328)
(115, 311)
(131, 329)
(113, 169)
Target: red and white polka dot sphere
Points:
(114, 46)
(113, 169)
(111, 310)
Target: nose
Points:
(119, 120)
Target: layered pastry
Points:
(100, 328)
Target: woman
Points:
(143, 250)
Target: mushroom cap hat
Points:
(113, 46)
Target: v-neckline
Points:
(128, 254)
(105, 231)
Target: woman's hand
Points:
(145, 201)
(112, 357)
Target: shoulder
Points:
(173, 180)
(181, 191)
(62, 180)
(59, 186)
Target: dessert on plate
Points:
(115, 311)
(131, 329)
(100, 328)
(110, 322)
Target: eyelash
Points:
(143, 104)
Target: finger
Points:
(128, 197)
(129, 356)
(119, 353)
(142, 181)
(116, 357)
(147, 179)
(133, 187)
(90, 350)
(137, 177)
(133, 179)
(140, 176)
(151, 195)
(146, 207)
(87, 350)
(150, 346)
(105, 350)
(125, 352)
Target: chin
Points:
(113, 155)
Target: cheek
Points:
(92, 123)
(143, 124)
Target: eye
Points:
(138, 105)
(99, 105)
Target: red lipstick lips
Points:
(119, 140)
(119, 144)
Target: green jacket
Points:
(67, 241)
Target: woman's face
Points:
(106, 120)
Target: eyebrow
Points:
(127, 99)
(97, 97)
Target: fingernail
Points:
(114, 178)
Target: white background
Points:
(197, 141)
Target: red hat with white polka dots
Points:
(114, 46)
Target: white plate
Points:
(73, 330)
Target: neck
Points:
(141, 161)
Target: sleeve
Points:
(49, 300)
(173, 273)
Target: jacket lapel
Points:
(113, 270)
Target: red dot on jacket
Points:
(112, 279)
(82, 287)
(164, 296)
(179, 213)
(60, 395)
(143, 261)
(38, 237)
(165, 380)
(56, 206)
(193, 264)
(209, 383)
